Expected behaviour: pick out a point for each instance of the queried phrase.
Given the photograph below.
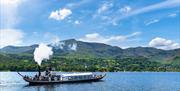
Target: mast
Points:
(39, 69)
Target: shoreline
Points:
(105, 72)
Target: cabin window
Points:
(55, 78)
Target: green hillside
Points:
(92, 57)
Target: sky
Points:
(122, 23)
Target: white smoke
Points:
(43, 52)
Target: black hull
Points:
(39, 82)
(33, 82)
(61, 82)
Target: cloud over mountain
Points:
(95, 37)
(10, 37)
(163, 43)
(9, 19)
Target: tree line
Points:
(26, 63)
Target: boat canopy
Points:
(77, 74)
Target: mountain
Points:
(152, 53)
(92, 49)
(74, 48)
(19, 49)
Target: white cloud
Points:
(78, 4)
(162, 43)
(60, 14)
(12, 2)
(125, 9)
(10, 37)
(152, 22)
(77, 22)
(73, 46)
(133, 34)
(95, 37)
(55, 39)
(172, 15)
(57, 43)
(104, 7)
(9, 18)
(161, 5)
(9, 13)
(114, 23)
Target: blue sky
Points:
(123, 23)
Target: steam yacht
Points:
(50, 77)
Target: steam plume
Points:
(43, 52)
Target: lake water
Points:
(114, 81)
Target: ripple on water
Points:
(114, 81)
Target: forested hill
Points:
(73, 49)
(84, 49)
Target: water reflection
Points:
(56, 87)
(119, 81)
(40, 87)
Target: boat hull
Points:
(31, 82)
(36, 82)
